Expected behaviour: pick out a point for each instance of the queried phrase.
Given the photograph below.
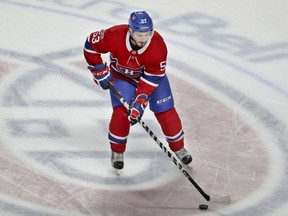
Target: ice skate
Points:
(117, 161)
(184, 156)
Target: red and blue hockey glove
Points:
(101, 74)
(137, 108)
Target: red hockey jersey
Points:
(144, 67)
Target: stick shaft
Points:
(167, 152)
(175, 161)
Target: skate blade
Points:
(117, 171)
(189, 166)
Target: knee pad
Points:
(119, 129)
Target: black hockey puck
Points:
(203, 207)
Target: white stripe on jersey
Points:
(149, 83)
(158, 75)
(91, 51)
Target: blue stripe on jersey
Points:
(88, 45)
(155, 79)
(116, 139)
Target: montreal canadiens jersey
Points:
(144, 67)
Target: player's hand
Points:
(101, 74)
(137, 108)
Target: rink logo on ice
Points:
(36, 128)
(69, 155)
(207, 29)
(47, 127)
(94, 167)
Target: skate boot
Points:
(117, 161)
(184, 156)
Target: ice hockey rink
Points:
(227, 65)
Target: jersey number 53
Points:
(97, 36)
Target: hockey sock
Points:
(119, 129)
(172, 128)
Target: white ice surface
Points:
(227, 65)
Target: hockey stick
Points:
(224, 199)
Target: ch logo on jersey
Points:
(127, 71)
(130, 72)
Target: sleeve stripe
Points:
(149, 83)
(88, 48)
(158, 75)
(91, 51)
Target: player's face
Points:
(141, 38)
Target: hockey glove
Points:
(101, 74)
(137, 108)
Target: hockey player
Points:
(137, 70)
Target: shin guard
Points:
(172, 128)
(119, 129)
